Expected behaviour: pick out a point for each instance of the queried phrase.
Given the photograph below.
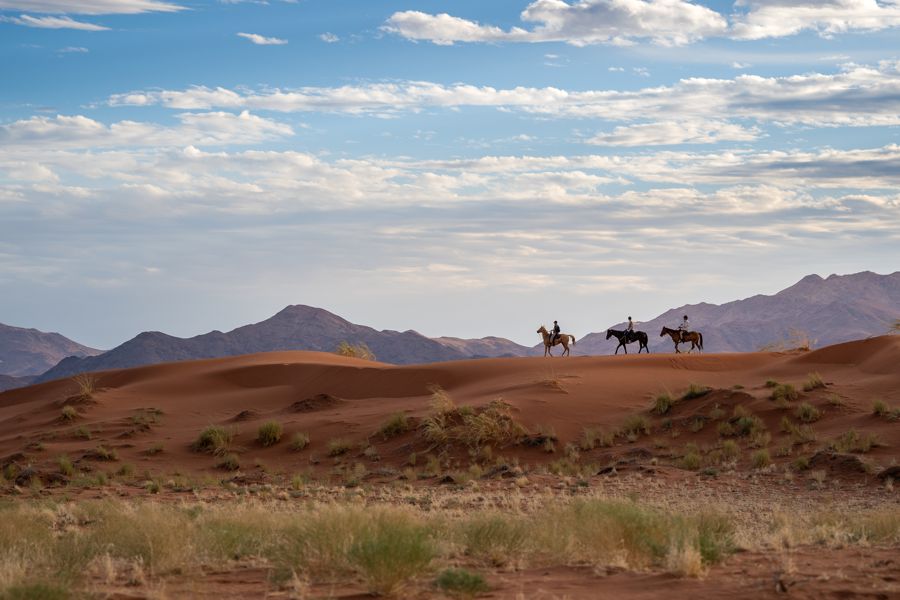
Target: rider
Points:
(629, 330)
(684, 327)
(554, 334)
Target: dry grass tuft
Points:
(269, 433)
(663, 403)
(855, 442)
(813, 382)
(807, 413)
(784, 392)
(213, 440)
(299, 441)
(397, 424)
(358, 350)
(87, 385)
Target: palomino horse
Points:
(694, 337)
(639, 336)
(563, 339)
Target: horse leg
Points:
(566, 351)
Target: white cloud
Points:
(857, 96)
(53, 23)
(73, 50)
(329, 38)
(779, 18)
(202, 129)
(90, 7)
(580, 23)
(675, 132)
(262, 40)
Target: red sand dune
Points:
(351, 398)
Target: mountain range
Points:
(29, 352)
(827, 311)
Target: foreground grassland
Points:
(397, 541)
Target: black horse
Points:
(638, 336)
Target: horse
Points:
(639, 336)
(694, 337)
(563, 339)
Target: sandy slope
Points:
(565, 394)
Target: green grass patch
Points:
(269, 433)
(213, 440)
(397, 424)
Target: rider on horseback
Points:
(684, 327)
(554, 334)
(629, 331)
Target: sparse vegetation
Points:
(87, 385)
(68, 413)
(784, 392)
(102, 453)
(880, 408)
(213, 440)
(299, 441)
(229, 462)
(461, 583)
(592, 437)
(813, 382)
(82, 433)
(695, 391)
(663, 403)
(761, 458)
(730, 450)
(269, 433)
(635, 425)
(154, 449)
(357, 350)
(854, 441)
(65, 466)
(398, 423)
(807, 413)
(338, 446)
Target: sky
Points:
(462, 168)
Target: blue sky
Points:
(459, 168)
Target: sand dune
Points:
(356, 397)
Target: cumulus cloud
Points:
(261, 40)
(856, 96)
(580, 23)
(90, 7)
(779, 18)
(53, 23)
(667, 133)
(329, 38)
(202, 129)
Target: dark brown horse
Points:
(694, 337)
(639, 336)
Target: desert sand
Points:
(150, 417)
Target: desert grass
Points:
(358, 350)
(761, 458)
(86, 384)
(461, 583)
(784, 392)
(338, 446)
(634, 425)
(855, 442)
(214, 440)
(594, 437)
(663, 403)
(229, 462)
(695, 391)
(813, 382)
(269, 433)
(397, 424)
(68, 413)
(880, 408)
(807, 413)
(299, 441)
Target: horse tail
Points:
(701, 340)
(573, 339)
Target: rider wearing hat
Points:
(554, 334)
(684, 327)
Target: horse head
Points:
(542, 329)
(608, 333)
(663, 332)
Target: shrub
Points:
(635, 425)
(725, 429)
(663, 403)
(784, 392)
(358, 350)
(594, 437)
(690, 461)
(730, 450)
(880, 408)
(269, 433)
(82, 433)
(154, 449)
(770, 383)
(813, 382)
(393, 551)
(760, 439)
(801, 463)
(65, 466)
(102, 453)
(87, 385)
(299, 441)
(808, 413)
(761, 458)
(459, 582)
(853, 441)
(229, 462)
(749, 425)
(213, 440)
(397, 424)
(68, 413)
(695, 391)
(338, 446)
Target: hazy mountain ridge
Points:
(837, 309)
(832, 310)
(27, 352)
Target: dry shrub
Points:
(807, 413)
(854, 441)
(663, 403)
(358, 350)
(813, 382)
(784, 392)
(397, 424)
(213, 440)
(87, 385)
(635, 425)
(593, 437)
(269, 433)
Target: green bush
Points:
(459, 582)
(393, 551)
(269, 433)
(214, 440)
(397, 424)
(784, 392)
